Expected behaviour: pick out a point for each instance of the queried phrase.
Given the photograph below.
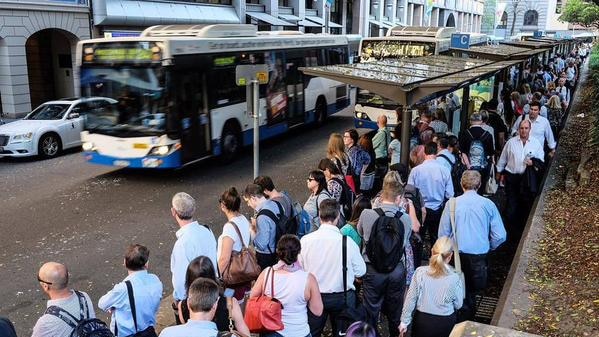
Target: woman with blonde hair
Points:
(555, 113)
(434, 295)
(527, 92)
(551, 87)
(517, 104)
(336, 153)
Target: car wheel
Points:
(49, 146)
(230, 143)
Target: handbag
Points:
(456, 251)
(243, 266)
(149, 331)
(348, 315)
(366, 181)
(264, 313)
(349, 178)
(232, 332)
(491, 186)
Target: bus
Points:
(177, 97)
(400, 42)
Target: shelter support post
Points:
(500, 77)
(465, 113)
(406, 123)
(520, 75)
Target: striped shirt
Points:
(436, 296)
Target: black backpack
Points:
(415, 197)
(83, 326)
(281, 223)
(385, 246)
(457, 169)
(347, 197)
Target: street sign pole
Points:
(255, 107)
(251, 76)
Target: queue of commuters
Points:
(358, 248)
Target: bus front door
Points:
(190, 91)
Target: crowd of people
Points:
(357, 248)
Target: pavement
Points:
(67, 210)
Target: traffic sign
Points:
(461, 41)
(537, 33)
(245, 73)
(329, 3)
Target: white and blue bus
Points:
(177, 97)
(400, 42)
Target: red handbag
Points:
(264, 313)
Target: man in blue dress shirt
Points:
(434, 182)
(147, 292)
(479, 229)
(202, 302)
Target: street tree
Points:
(580, 12)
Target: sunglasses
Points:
(42, 281)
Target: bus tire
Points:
(320, 111)
(49, 145)
(230, 142)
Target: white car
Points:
(49, 129)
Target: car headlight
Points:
(87, 146)
(161, 150)
(24, 137)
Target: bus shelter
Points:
(412, 81)
(502, 52)
(561, 46)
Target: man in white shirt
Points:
(193, 240)
(202, 303)
(515, 157)
(321, 255)
(54, 280)
(146, 292)
(541, 128)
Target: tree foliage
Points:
(581, 12)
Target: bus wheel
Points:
(321, 111)
(230, 143)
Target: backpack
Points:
(385, 246)
(282, 222)
(457, 169)
(84, 326)
(476, 153)
(347, 197)
(415, 197)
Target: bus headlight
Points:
(161, 150)
(87, 146)
(362, 115)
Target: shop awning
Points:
(308, 23)
(316, 19)
(383, 24)
(271, 20)
(290, 17)
(412, 80)
(334, 25)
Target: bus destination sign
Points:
(382, 49)
(136, 52)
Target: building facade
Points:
(37, 51)
(380, 15)
(513, 17)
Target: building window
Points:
(283, 3)
(503, 22)
(531, 18)
(558, 6)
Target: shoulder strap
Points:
(131, 303)
(445, 157)
(64, 315)
(456, 250)
(379, 211)
(280, 207)
(83, 306)
(273, 217)
(344, 262)
(238, 233)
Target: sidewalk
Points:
(165, 316)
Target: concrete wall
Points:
(16, 26)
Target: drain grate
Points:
(485, 308)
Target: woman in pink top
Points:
(296, 289)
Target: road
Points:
(84, 216)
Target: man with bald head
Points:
(53, 277)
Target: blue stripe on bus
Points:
(362, 123)
(171, 161)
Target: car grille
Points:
(4, 140)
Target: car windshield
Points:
(48, 112)
(141, 104)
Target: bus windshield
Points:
(141, 105)
(366, 98)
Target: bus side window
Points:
(336, 56)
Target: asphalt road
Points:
(84, 215)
